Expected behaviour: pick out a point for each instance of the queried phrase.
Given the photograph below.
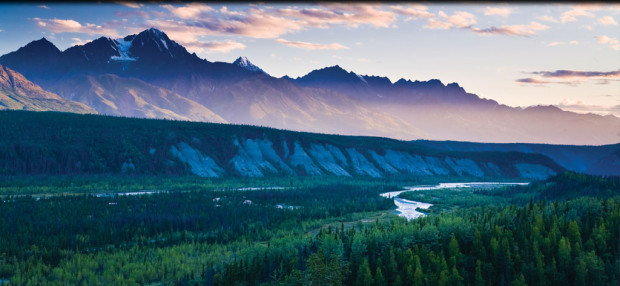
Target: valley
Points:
(303, 144)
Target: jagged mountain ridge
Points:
(329, 100)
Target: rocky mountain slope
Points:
(16, 92)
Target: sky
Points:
(518, 54)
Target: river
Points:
(407, 208)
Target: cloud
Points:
(72, 26)
(196, 19)
(214, 46)
(569, 77)
(189, 11)
(459, 19)
(130, 14)
(44, 7)
(255, 23)
(351, 15)
(578, 74)
(581, 10)
(582, 107)
(607, 20)
(413, 11)
(512, 30)
(497, 11)
(553, 44)
(613, 43)
(130, 4)
(548, 18)
(531, 80)
(312, 46)
(78, 42)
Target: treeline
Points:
(563, 186)
(560, 243)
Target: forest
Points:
(561, 231)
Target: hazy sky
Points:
(517, 54)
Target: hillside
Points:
(595, 160)
(16, 92)
(64, 143)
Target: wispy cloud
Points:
(582, 107)
(613, 43)
(497, 11)
(553, 44)
(131, 14)
(413, 12)
(78, 41)
(352, 15)
(578, 74)
(215, 46)
(44, 7)
(580, 10)
(268, 22)
(459, 19)
(130, 4)
(512, 30)
(548, 18)
(570, 77)
(531, 80)
(312, 46)
(72, 26)
(189, 11)
(608, 20)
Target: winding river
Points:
(407, 208)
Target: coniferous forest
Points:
(340, 234)
(74, 210)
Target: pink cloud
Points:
(531, 80)
(613, 43)
(548, 18)
(351, 15)
(581, 10)
(130, 4)
(214, 46)
(608, 20)
(413, 11)
(497, 11)
(312, 46)
(189, 11)
(72, 26)
(582, 107)
(459, 19)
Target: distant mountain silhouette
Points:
(116, 76)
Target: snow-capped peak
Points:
(122, 46)
(246, 64)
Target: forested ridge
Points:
(65, 144)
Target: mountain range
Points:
(148, 75)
